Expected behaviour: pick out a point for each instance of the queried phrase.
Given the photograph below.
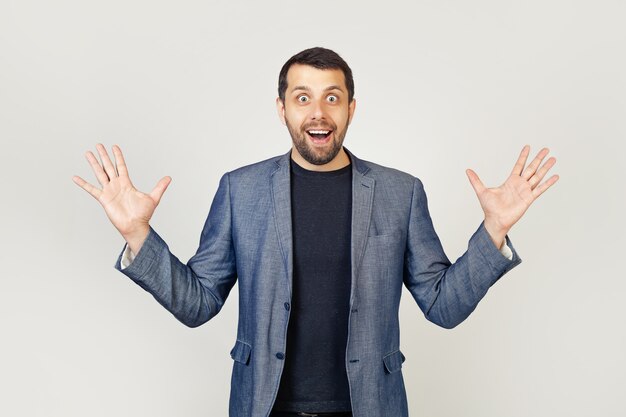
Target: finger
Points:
(160, 188)
(536, 179)
(521, 161)
(532, 167)
(101, 176)
(106, 162)
(95, 192)
(120, 163)
(477, 184)
(543, 187)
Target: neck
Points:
(339, 161)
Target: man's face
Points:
(316, 111)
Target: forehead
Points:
(314, 78)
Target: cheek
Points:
(295, 117)
(340, 117)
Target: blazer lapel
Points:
(362, 198)
(281, 198)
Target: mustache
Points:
(319, 127)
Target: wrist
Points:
(496, 232)
(136, 238)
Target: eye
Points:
(332, 99)
(303, 99)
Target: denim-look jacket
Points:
(247, 237)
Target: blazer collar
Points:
(358, 166)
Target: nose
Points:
(317, 110)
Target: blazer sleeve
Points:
(448, 293)
(194, 292)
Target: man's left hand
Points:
(506, 204)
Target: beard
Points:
(313, 154)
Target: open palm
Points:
(506, 204)
(127, 208)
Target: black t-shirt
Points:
(314, 378)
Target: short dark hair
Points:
(320, 58)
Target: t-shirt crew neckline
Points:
(298, 170)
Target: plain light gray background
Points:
(187, 89)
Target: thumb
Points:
(477, 184)
(159, 189)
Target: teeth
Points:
(319, 132)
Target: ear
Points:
(351, 108)
(280, 108)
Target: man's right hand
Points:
(128, 209)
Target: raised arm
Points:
(448, 292)
(193, 292)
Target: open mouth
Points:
(319, 135)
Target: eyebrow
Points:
(305, 88)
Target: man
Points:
(321, 243)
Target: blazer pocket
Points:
(241, 352)
(393, 361)
(388, 235)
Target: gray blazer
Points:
(247, 236)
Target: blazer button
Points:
(287, 306)
(280, 355)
